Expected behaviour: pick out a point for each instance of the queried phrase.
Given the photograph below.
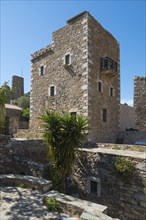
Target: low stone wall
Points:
(40, 184)
(26, 157)
(35, 150)
(29, 133)
(130, 137)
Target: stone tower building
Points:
(140, 102)
(79, 73)
(18, 86)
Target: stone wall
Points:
(102, 44)
(18, 87)
(131, 137)
(127, 117)
(140, 102)
(26, 157)
(124, 199)
(75, 85)
(68, 81)
(13, 114)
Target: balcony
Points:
(108, 66)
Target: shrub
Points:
(22, 185)
(26, 113)
(53, 205)
(123, 168)
(23, 102)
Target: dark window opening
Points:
(42, 70)
(67, 59)
(111, 91)
(93, 187)
(52, 91)
(104, 115)
(22, 173)
(99, 86)
(107, 63)
(73, 114)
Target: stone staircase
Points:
(80, 209)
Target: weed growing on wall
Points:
(23, 186)
(123, 168)
(53, 205)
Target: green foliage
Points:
(123, 167)
(22, 185)
(4, 97)
(2, 118)
(26, 113)
(53, 205)
(4, 94)
(56, 180)
(23, 102)
(64, 134)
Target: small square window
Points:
(94, 186)
(104, 115)
(42, 70)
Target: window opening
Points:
(42, 70)
(73, 114)
(100, 86)
(67, 59)
(111, 91)
(104, 115)
(93, 187)
(107, 63)
(52, 90)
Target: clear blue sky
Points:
(27, 26)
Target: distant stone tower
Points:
(18, 86)
(140, 102)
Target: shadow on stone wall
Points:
(125, 198)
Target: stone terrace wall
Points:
(26, 157)
(125, 199)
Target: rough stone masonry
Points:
(79, 73)
(140, 102)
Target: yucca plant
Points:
(64, 134)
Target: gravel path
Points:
(21, 204)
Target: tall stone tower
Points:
(79, 73)
(140, 102)
(18, 86)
